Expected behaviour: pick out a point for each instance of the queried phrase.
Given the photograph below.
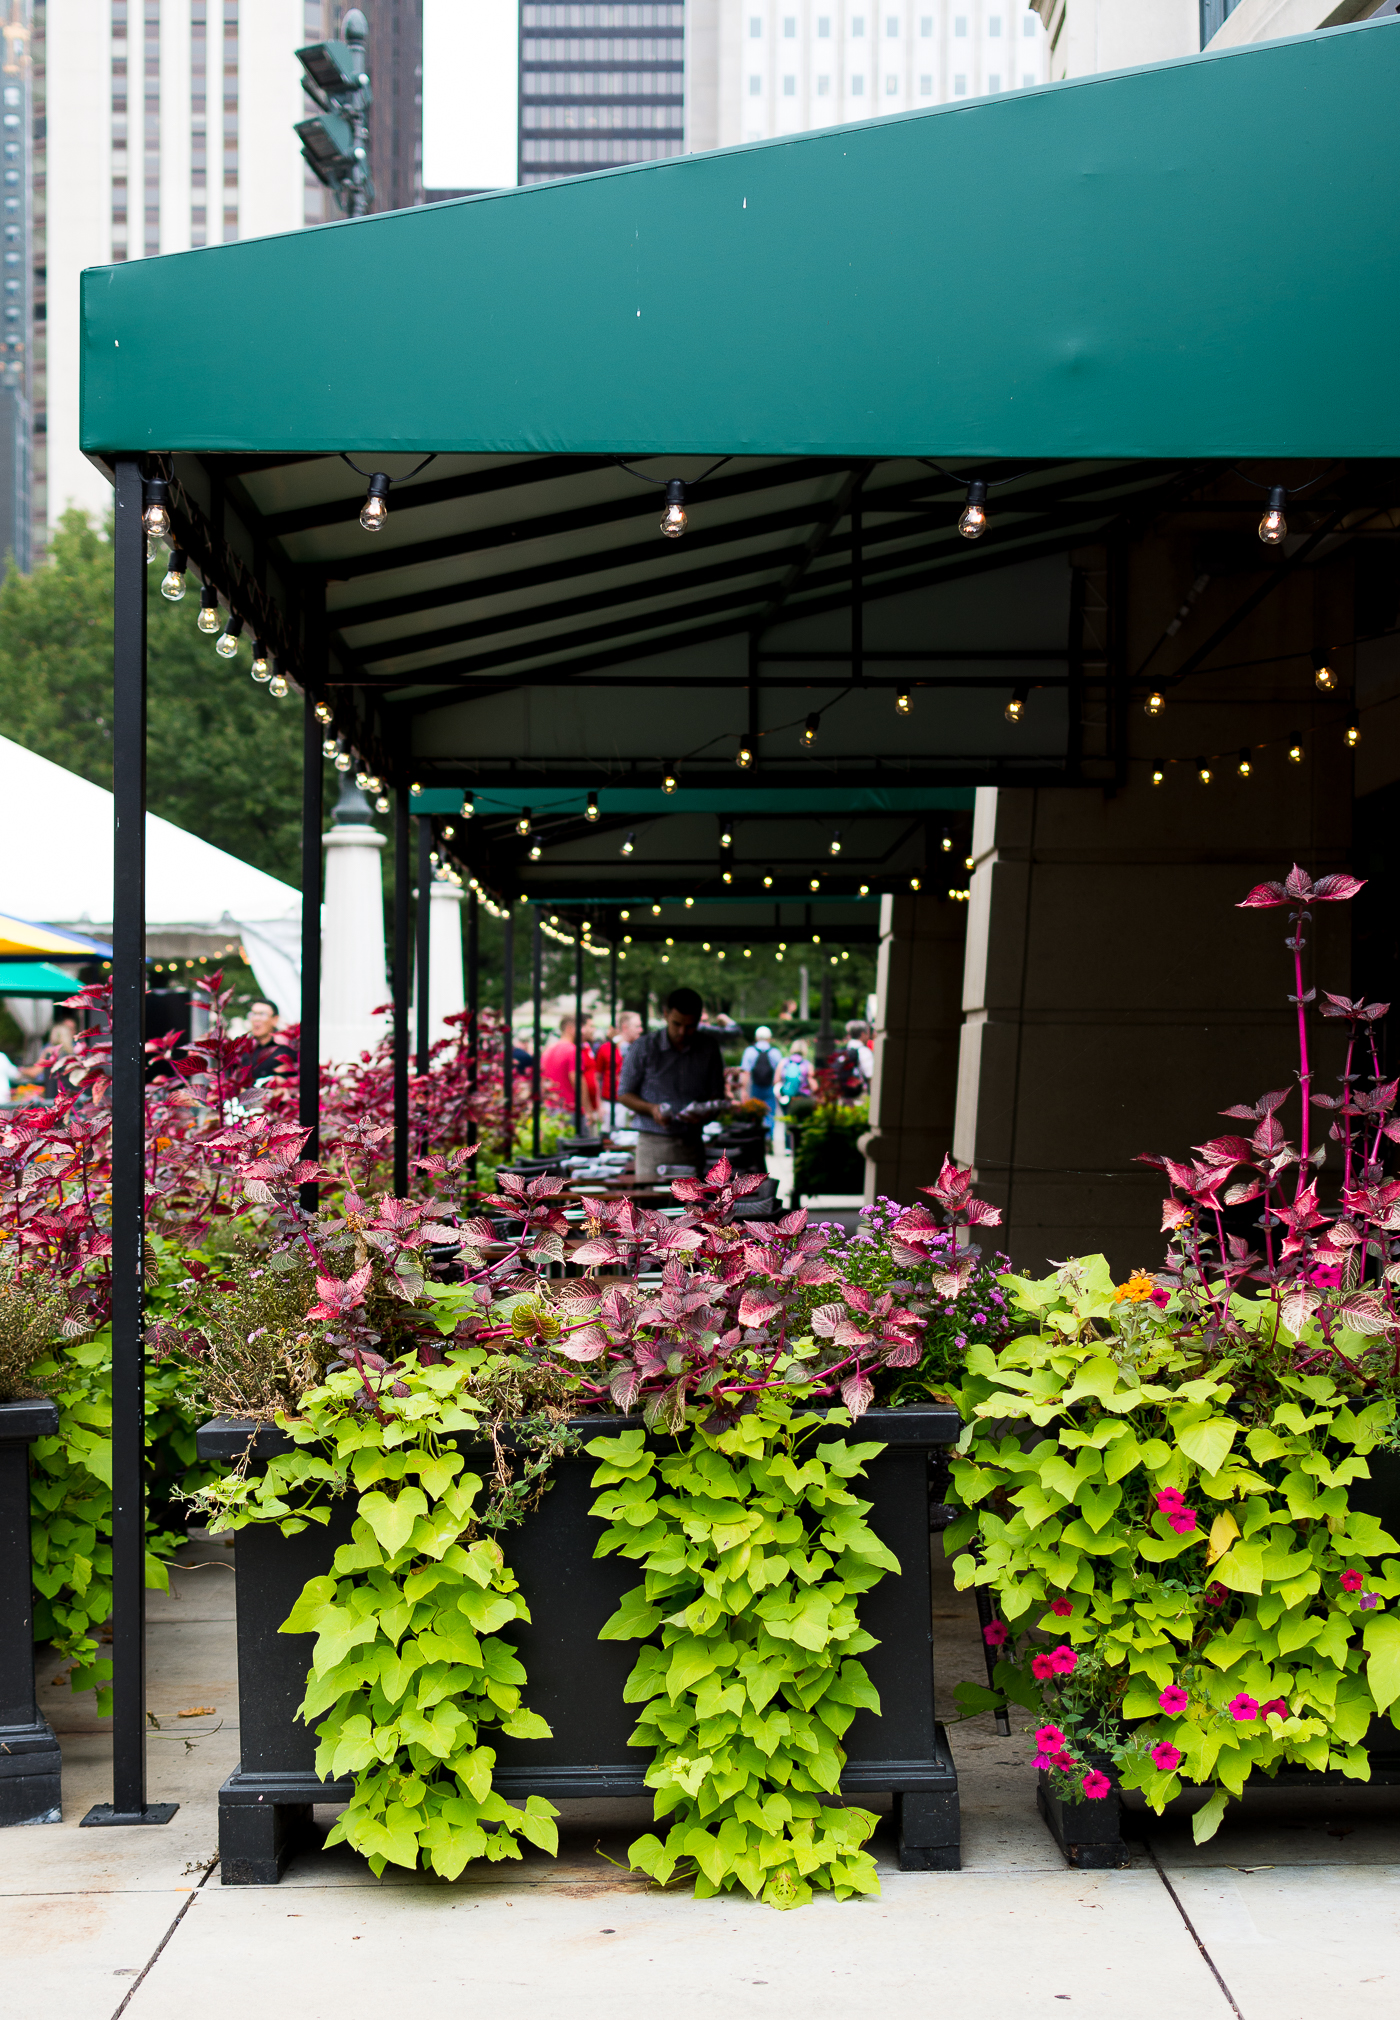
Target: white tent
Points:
(56, 865)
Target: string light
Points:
(972, 521)
(1157, 778)
(726, 839)
(343, 759)
(1244, 767)
(376, 784)
(381, 806)
(448, 831)
(1154, 703)
(1353, 732)
(172, 583)
(690, 904)
(1295, 753)
(262, 667)
(767, 880)
(322, 711)
(673, 519)
(809, 730)
(1204, 772)
(835, 843)
(628, 846)
(1016, 707)
(590, 812)
(534, 852)
(816, 883)
(226, 645)
(816, 939)
(947, 841)
(415, 788)
(277, 687)
(375, 509)
(522, 825)
(329, 747)
(865, 890)
(208, 618)
(468, 807)
(916, 884)
(670, 781)
(743, 757)
(156, 517)
(362, 781)
(902, 703)
(1323, 674)
(1273, 527)
(704, 946)
(656, 911)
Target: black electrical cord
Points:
(379, 473)
(662, 482)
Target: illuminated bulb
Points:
(1295, 753)
(816, 939)
(1204, 772)
(376, 784)
(720, 955)
(362, 781)
(381, 805)
(1244, 767)
(329, 747)
(322, 711)
(743, 757)
(343, 760)
(972, 521)
(690, 904)
(522, 826)
(726, 840)
(704, 946)
(590, 812)
(767, 880)
(448, 831)
(172, 583)
(816, 883)
(262, 665)
(1353, 733)
(627, 848)
(433, 857)
(915, 884)
(1273, 527)
(810, 728)
(226, 644)
(777, 957)
(627, 939)
(156, 517)
(782, 946)
(1016, 707)
(277, 687)
(835, 844)
(669, 941)
(748, 953)
(728, 876)
(534, 852)
(1157, 778)
(415, 788)
(1323, 674)
(669, 782)
(1154, 703)
(947, 842)
(673, 519)
(901, 701)
(208, 618)
(656, 911)
(375, 509)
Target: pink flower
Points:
(1170, 1502)
(1277, 1707)
(1063, 1660)
(1183, 1521)
(1064, 1760)
(1166, 1756)
(1095, 1785)
(1173, 1700)
(1244, 1707)
(1161, 1298)
(1040, 1666)
(1049, 1738)
(1062, 1608)
(1369, 1600)
(1326, 1276)
(994, 1634)
(1215, 1594)
(1042, 1762)
(1352, 1581)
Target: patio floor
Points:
(1292, 1911)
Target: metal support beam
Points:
(578, 1028)
(129, 1804)
(473, 1015)
(508, 1033)
(400, 990)
(422, 955)
(538, 982)
(312, 785)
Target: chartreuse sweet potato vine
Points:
(1182, 1582)
(409, 1664)
(754, 1559)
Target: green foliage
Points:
(754, 1560)
(828, 1157)
(409, 1665)
(28, 1321)
(1179, 1521)
(224, 759)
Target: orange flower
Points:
(1136, 1290)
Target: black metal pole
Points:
(309, 1054)
(578, 1026)
(129, 1804)
(857, 592)
(535, 1086)
(422, 945)
(508, 1035)
(401, 882)
(473, 979)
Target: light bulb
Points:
(916, 883)
(343, 760)
(226, 645)
(621, 915)
(415, 788)
(468, 805)
(448, 831)
(208, 618)
(590, 812)
(329, 747)
(277, 687)
(972, 521)
(748, 953)
(381, 805)
(362, 780)
(322, 711)
(656, 911)
(690, 904)
(627, 848)
(967, 862)
(726, 840)
(1154, 703)
(1244, 767)
(1353, 733)
(673, 519)
(261, 665)
(1323, 674)
(1204, 772)
(947, 841)
(156, 517)
(1157, 778)
(835, 844)
(1016, 707)
(767, 880)
(901, 702)
(743, 757)
(728, 876)
(534, 852)
(375, 509)
(1273, 527)
(1295, 753)
(669, 782)
(816, 883)
(172, 583)
(810, 728)
(522, 826)
(865, 890)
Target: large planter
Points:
(30, 1762)
(576, 1681)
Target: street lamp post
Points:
(336, 142)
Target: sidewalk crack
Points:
(154, 1957)
(1191, 1931)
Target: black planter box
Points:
(1090, 1834)
(30, 1762)
(576, 1681)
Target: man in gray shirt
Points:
(666, 1072)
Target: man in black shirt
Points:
(665, 1073)
(271, 1054)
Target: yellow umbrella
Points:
(22, 936)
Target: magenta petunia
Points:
(1049, 1738)
(1064, 1760)
(1042, 1762)
(1352, 1581)
(1243, 1707)
(1041, 1666)
(1095, 1785)
(995, 1634)
(1161, 1298)
(1173, 1699)
(1275, 1706)
(1166, 1756)
(1170, 1502)
(1368, 1600)
(1062, 1608)
(1063, 1660)
(1215, 1594)
(1183, 1520)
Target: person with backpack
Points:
(760, 1066)
(853, 1067)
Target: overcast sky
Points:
(469, 93)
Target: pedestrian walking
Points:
(665, 1074)
(760, 1066)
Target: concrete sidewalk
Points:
(1291, 1912)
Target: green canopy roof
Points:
(36, 978)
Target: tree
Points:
(224, 759)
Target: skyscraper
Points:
(16, 324)
(600, 83)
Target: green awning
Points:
(1197, 259)
(36, 978)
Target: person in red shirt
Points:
(558, 1067)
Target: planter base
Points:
(31, 1772)
(102, 1815)
(1090, 1834)
(264, 1819)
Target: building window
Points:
(960, 24)
(1028, 26)
(891, 86)
(823, 26)
(789, 87)
(755, 27)
(960, 87)
(892, 26)
(925, 87)
(1027, 79)
(857, 24)
(755, 86)
(857, 87)
(994, 82)
(789, 27)
(994, 25)
(823, 87)
(925, 24)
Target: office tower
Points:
(600, 83)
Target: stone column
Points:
(354, 979)
(918, 1019)
(447, 989)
